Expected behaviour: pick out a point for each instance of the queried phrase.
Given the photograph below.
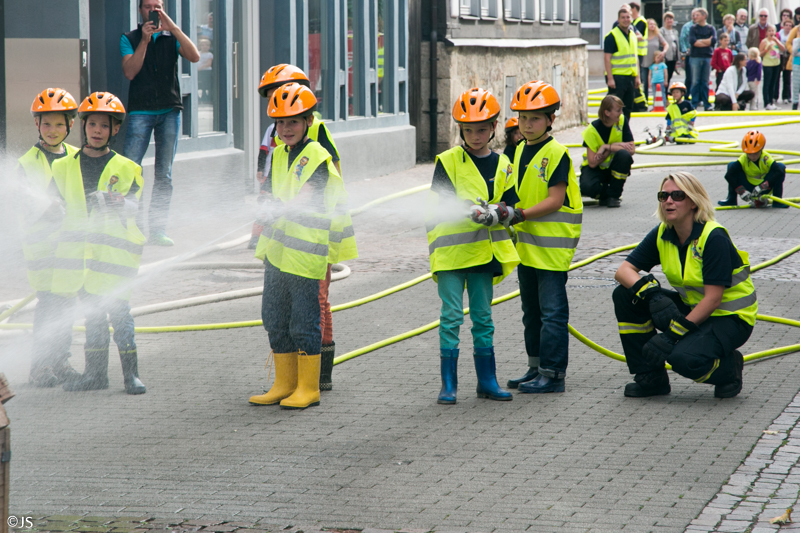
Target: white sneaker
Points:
(771, 107)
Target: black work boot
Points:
(733, 387)
(130, 371)
(326, 366)
(646, 384)
(42, 376)
(95, 375)
(64, 371)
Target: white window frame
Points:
(520, 10)
(594, 25)
(574, 6)
(490, 10)
(558, 7)
(469, 9)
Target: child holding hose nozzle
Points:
(463, 252)
(755, 174)
(305, 197)
(708, 316)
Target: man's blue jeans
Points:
(545, 314)
(701, 70)
(166, 129)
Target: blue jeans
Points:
(290, 311)
(701, 70)
(166, 130)
(451, 290)
(545, 314)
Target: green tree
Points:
(729, 6)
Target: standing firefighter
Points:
(710, 314)
(54, 112)
(305, 196)
(100, 247)
(469, 248)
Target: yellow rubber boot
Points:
(307, 392)
(285, 380)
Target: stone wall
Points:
(463, 67)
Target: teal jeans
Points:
(451, 291)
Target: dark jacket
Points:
(156, 86)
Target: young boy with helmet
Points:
(680, 114)
(53, 113)
(609, 154)
(548, 225)
(470, 248)
(100, 247)
(305, 195)
(755, 174)
(343, 241)
(513, 137)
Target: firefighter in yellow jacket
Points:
(710, 313)
(469, 247)
(54, 112)
(305, 196)
(100, 247)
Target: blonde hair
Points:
(753, 53)
(727, 18)
(608, 104)
(695, 192)
(655, 25)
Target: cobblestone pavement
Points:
(378, 452)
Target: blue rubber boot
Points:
(487, 380)
(543, 384)
(447, 395)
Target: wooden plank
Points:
(5, 476)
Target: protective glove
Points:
(478, 212)
(760, 190)
(658, 349)
(647, 287)
(493, 216)
(663, 311)
(743, 194)
(681, 326)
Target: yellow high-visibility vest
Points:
(756, 172)
(99, 251)
(298, 242)
(623, 61)
(641, 48)
(593, 140)
(681, 123)
(738, 299)
(547, 242)
(39, 239)
(461, 243)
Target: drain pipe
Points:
(433, 101)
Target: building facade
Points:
(497, 45)
(355, 52)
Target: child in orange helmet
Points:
(513, 137)
(100, 248)
(304, 191)
(473, 249)
(343, 236)
(755, 174)
(548, 225)
(54, 112)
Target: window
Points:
(516, 10)
(574, 12)
(553, 11)
(208, 68)
(470, 9)
(489, 9)
(591, 30)
(317, 61)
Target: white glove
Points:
(476, 211)
(491, 217)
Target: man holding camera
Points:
(150, 62)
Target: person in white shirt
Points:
(732, 93)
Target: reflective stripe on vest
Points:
(739, 299)
(756, 172)
(456, 242)
(299, 243)
(681, 123)
(594, 141)
(548, 242)
(641, 47)
(39, 239)
(97, 251)
(623, 61)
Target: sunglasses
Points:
(677, 196)
(762, 16)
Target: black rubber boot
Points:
(646, 384)
(530, 375)
(64, 371)
(42, 376)
(95, 375)
(130, 371)
(733, 386)
(326, 366)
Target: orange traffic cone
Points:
(710, 89)
(658, 103)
